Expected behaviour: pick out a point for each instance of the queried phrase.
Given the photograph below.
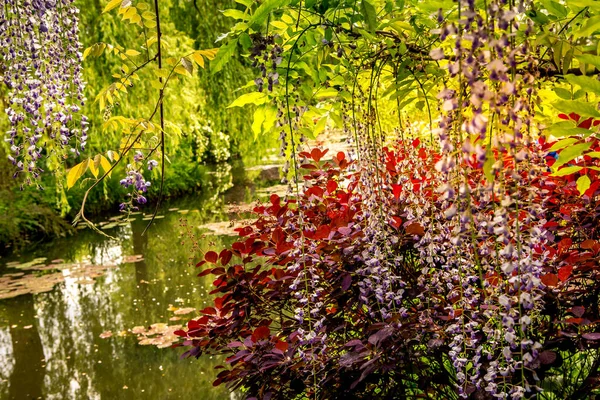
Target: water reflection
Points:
(49, 343)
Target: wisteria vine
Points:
(41, 66)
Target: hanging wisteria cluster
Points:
(488, 233)
(41, 66)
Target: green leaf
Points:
(562, 93)
(583, 184)
(263, 11)
(487, 166)
(270, 118)
(555, 8)
(593, 154)
(247, 3)
(557, 128)
(567, 171)
(320, 126)
(589, 59)
(249, 98)
(132, 53)
(579, 107)
(587, 83)
(236, 14)
(571, 153)
(561, 144)
(76, 172)
(592, 25)
(370, 14)
(223, 56)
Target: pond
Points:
(69, 307)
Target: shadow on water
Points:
(50, 345)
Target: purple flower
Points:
(152, 164)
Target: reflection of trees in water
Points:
(72, 316)
(66, 340)
(7, 360)
(27, 377)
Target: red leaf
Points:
(564, 245)
(281, 345)
(262, 332)
(275, 199)
(578, 311)
(225, 257)
(576, 321)
(415, 229)
(397, 190)
(550, 280)
(396, 222)
(547, 357)
(205, 272)
(416, 143)
(565, 272)
(317, 154)
(586, 124)
(331, 186)
(591, 336)
(340, 156)
(346, 281)
(588, 244)
(211, 257)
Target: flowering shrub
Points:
(311, 301)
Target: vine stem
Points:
(162, 118)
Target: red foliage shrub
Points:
(296, 313)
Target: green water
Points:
(50, 345)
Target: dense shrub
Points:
(311, 304)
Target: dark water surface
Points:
(50, 344)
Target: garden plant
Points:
(452, 251)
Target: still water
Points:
(50, 334)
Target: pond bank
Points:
(71, 329)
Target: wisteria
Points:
(430, 262)
(41, 66)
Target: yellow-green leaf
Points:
(94, 166)
(561, 144)
(585, 82)
(105, 165)
(249, 98)
(582, 108)
(181, 70)
(257, 122)
(112, 155)
(571, 153)
(567, 171)
(209, 53)
(111, 4)
(132, 53)
(76, 172)
(199, 59)
(583, 184)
